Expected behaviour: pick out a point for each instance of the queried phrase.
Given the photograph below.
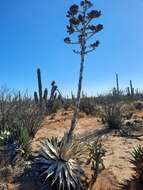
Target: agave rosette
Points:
(60, 163)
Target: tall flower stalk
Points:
(82, 27)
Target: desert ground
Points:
(90, 128)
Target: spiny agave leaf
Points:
(49, 174)
(44, 154)
(57, 173)
(70, 172)
(49, 171)
(52, 148)
(72, 176)
(68, 183)
(62, 185)
(67, 176)
(49, 150)
(137, 152)
(137, 155)
(49, 154)
(55, 178)
(73, 184)
(54, 142)
(43, 161)
(61, 177)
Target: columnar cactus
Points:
(45, 96)
(131, 88)
(128, 91)
(42, 100)
(52, 98)
(39, 85)
(117, 83)
(36, 97)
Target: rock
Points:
(133, 122)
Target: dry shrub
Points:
(87, 105)
(112, 115)
(21, 118)
(19, 110)
(138, 105)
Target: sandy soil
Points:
(118, 148)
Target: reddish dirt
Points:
(118, 148)
(58, 124)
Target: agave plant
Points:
(136, 181)
(137, 160)
(59, 164)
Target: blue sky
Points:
(32, 33)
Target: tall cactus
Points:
(39, 85)
(36, 97)
(52, 98)
(73, 98)
(117, 84)
(128, 91)
(45, 96)
(41, 98)
(131, 88)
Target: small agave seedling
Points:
(82, 27)
(59, 165)
(96, 154)
(137, 160)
